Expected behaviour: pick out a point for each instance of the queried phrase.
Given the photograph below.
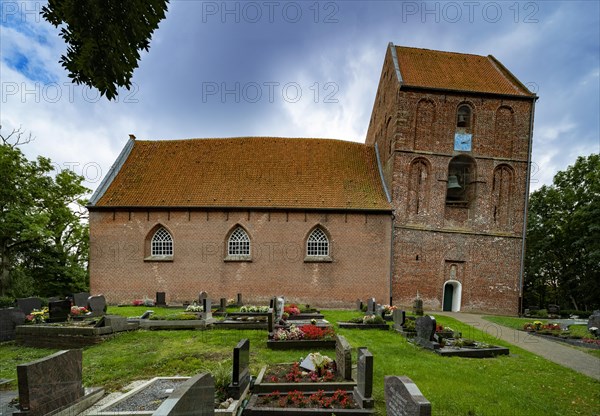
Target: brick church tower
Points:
(453, 133)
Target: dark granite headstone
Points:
(403, 398)
(425, 326)
(418, 307)
(343, 357)
(223, 305)
(161, 299)
(359, 304)
(50, 383)
(97, 305)
(239, 300)
(553, 309)
(53, 299)
(81, 299)
(203, 295)
(29, 304)
(271, 320)
(195, 396)
(399, 318)
(594, 320)
(364, 384)
(58, 311)
(240, 375)
(9, 319)
(371, 306)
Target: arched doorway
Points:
(452, 296)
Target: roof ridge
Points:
(250, 138)
(438, 51)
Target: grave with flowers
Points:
(316, 385)
(248, 317)
(306, 336)
(365, 322)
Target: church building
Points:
(433, 204)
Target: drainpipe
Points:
(526, 207)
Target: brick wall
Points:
(360, 253)
(414, 130)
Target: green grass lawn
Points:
(519, 384)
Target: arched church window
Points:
(162, 243)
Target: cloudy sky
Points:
(294, 69)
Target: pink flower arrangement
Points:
(78, 310)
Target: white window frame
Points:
(318, 246)
(161, 244)
(239, 245)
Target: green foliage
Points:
(104, 38)
(6, 302)
(182, 316)
(43, 241)
(562, 263)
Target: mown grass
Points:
(519, 384)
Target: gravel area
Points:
(148, 399)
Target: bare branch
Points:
(17, 137)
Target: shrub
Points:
(373, 320)
(6, 302)
(542, 313)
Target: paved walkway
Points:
(554, 351)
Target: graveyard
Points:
(400, 371)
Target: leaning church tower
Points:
(453, 134)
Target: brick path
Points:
(554, 351)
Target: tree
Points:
(43, 236)
(104, 38)
(562, 263)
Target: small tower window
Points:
(461, 181)
(463, 117)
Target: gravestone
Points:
(418, 307)
(359, 304)
(239, 300)
(53, 299)
(195, 396)
(399, 318)
(240, 375)
(81, 299)
(203, 295)
(553, 309)
(97, 305)
(594, 320)
(9, 319)
(279, 311)
(29, 304)
(161, 299)
(364, 380)
(146, 315)
(50, 383)
(271, 320)
(223, 305)
(425, 326)
(371, 306)
(379, 311)
(116, 322)
(206, 307)
(403, 398)
(58, 311)
(343, 357)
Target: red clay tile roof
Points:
(248, 172)
(456, 71)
